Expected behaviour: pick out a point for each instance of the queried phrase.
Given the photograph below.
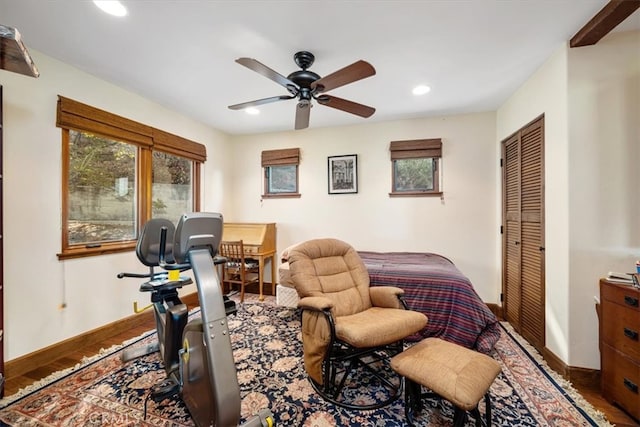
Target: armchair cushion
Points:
(378, 326)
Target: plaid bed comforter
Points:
(434, 286)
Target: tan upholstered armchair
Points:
(347, 326)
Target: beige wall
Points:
(35, 282)
(545, 93)
(462, 225)
(590, 97)
(604, 177)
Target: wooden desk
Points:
(259, 240)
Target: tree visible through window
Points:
(171, 191)
(414, 174)
(102, 183)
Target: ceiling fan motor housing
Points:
(303, 78)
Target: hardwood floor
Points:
(591, 394)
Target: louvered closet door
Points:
(511, 231)
(523, 240)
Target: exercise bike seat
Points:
(148, 247)
(148, 252)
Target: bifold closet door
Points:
(523, 232)
(1, 263)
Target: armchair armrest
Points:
(315, 303)
(386, 296)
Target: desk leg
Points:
(273, 274)
(261, 272)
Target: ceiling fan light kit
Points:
(306, 85)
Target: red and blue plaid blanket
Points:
(434, 286)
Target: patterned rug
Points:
(268, 353)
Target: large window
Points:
(117, 174)
(281, 172)
(102, 189)
(416, 167)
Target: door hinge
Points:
(501, 162)
(502, 229)
(501, 297)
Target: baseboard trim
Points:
(576, 375)
(496, 310)
(584, 377)
(23, 364)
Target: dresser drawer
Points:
(621, 329)
(621, 380)
(625, 296)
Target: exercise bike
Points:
(199, 366)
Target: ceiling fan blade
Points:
(303, 108)
(346, 105)
(351, 73)
(259, 102)
(262, 69)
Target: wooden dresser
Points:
(620, 345)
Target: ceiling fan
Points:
(307, 85)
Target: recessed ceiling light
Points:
(252, 110)
(112, 7)
(421, 90)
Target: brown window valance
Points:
(287, 156)
(82, 117)
(416, 148)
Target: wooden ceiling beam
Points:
(604, 21)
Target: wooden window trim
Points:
(74, 115)
(417, 149)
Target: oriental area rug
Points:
(268, 353)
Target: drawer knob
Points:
(630, 333)
(631, 385)
(633, 302)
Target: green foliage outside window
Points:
(414, 174)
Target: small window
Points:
(416, 167)
(281, 172)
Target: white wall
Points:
(604, 177)
(35, 282)
(463, 225)
(590, 97)
(545, 92)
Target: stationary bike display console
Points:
(197, 354)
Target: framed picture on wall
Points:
(343, 174)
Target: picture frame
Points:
(343, 174)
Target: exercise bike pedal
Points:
(164, 389)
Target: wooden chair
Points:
(238, 270)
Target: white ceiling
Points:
(180, 54)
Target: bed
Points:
(434, 286)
